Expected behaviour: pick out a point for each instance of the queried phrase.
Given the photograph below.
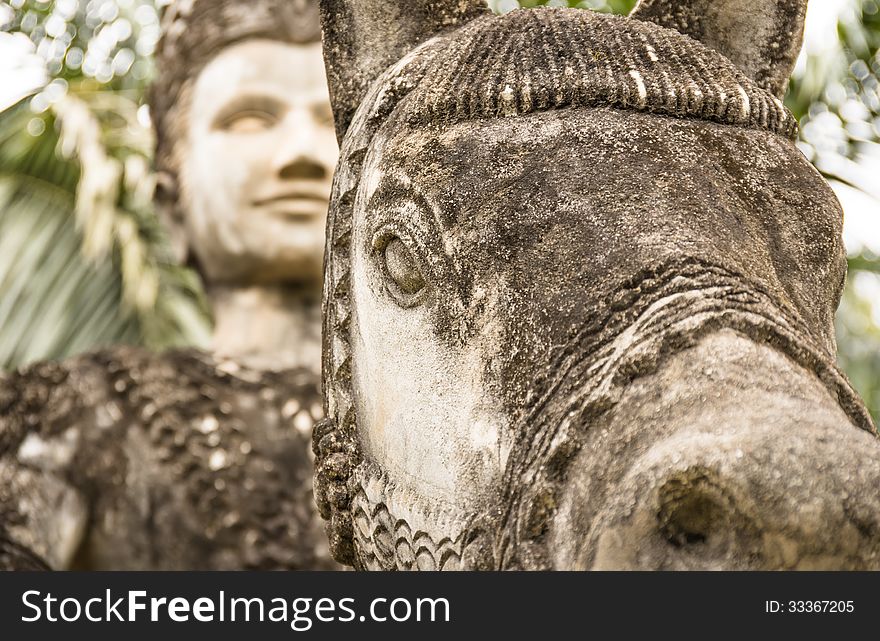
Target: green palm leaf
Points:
(50, 294)
(82, 261)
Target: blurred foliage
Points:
(858, 330)
(107, 42)
(83, 261)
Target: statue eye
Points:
(249, 122)
(323, 114)
(250, 114)
(402, 272)
(402, 267)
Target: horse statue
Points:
(578, 296)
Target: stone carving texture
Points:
(767, 55)
(385, 541)
(579, 297)
(139, 461)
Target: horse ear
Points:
(362, 38)
(761, 37)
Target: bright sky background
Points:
(861, 211)
(21, 72)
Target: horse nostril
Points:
(694, 505)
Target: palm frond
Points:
(48, 289)
(82, 260)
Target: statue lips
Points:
(303, 205)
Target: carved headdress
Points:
(193, 33)
(437, 62)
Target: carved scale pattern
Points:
(385, 542)
(185, 462)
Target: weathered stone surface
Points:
(762, 37)
(364, 38)
(578, 314)
(728, 457)
(125, 459)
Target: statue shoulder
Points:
(44, 410)
(45, 399)
(212, 455)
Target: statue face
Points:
(257, 165)
(429, 422)
(482, 255)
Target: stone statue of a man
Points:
(245, 154)
(124, 459)
(579, 296)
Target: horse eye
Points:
(403, 268)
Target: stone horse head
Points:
(579, 294)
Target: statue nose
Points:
(695, 506)
(303, 168)
(795, 501)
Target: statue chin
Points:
(399, 528)
(301, 268)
